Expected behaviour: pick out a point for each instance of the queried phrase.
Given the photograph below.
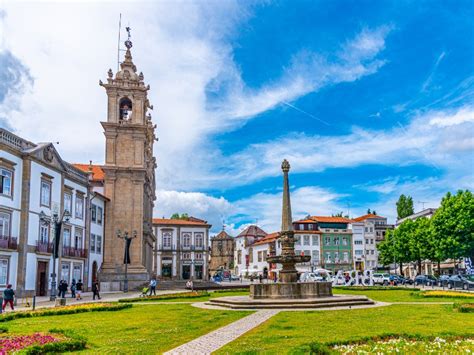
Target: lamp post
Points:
(126, 258)
(56, 222)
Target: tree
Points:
(374, 213)
(453, 225)
(178, 216)
(420, 239)
(394, 248)
(404, 206)
(368, 211)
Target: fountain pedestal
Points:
(291, 290)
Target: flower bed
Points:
(183, 295)
(81, 308)
(376, 288)
(445, 294)
(409, 346)
(57, 341)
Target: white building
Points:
(244, 255)
(358, 245)
(182, 248)
(36, 181)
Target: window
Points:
(366, 229)
(198, 240)
(65, 272)
(44, 234)
(94, 213)
(327, 241)
(5, 218)
(6, 182)
(187, 256)
(327, 230)
(77, 272)
(45, 193)
(372, 252)
(98, 244)
(315, 257)
(66, 237)
(78, 238)
(310, 226)
(99, 215)
(250, 255)
(367, 252)
(359, 252)
(371, 241)
(344, 241)
(307, 253)
(68, 202)
(371, 229)
(328, 257)
(336, 256)
(336, 241)
(198, 256)
(166, 239)
(358, 242)
(297, 240)
(301, 227)
(186, 240)
(367, 241)
(239, 257)
(3, 272)
(315, 240)
(345, 256)
(259, 256)
(92, 243)
(306, 240)
(79, 206)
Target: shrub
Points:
(446, 294)
(72, 342)
(93, 307)
(183, 295)
(464, 307)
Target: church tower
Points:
(129, 180)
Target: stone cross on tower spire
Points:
(286, 218)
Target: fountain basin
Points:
(291, 290)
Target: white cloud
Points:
(443, 119)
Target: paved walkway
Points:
(216, 339)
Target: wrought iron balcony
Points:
(44, 247)
(7, 242)
(74, 252)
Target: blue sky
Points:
(366, 99)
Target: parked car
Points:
(427, 280)
(399, 280)
(443, 280)
(381, 278)
(310, 277)
(461, 281)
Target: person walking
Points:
(78, 290)
(95, 290)
(8, 297)
(63, 288)
(73, 288)
(153, 286)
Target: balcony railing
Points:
(7, 242)
(74, 252)
(44, 247)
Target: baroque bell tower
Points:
(129, 180)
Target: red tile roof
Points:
(267, 239)
(222, 235)
(327, 219)
(367, 216)
(305, 221)
(97, 172)
(191, 221)
(252, 231)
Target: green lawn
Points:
(401, 295)
(205, 298)
(141, 329)
(287, 332)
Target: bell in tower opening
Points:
(125, 109)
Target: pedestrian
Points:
(95, 290)
(73, 288)
(153, 286)
(260, 278)
(63, 285)
(78, 290)
(275, 277)
(8, 297)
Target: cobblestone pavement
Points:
(216, 339)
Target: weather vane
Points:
(128, 43)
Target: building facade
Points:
(37, 181)
(222, 252)
(182, 249)
(244, 250)
(308, 242)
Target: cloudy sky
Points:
(366, 99)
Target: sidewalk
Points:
(44, 302)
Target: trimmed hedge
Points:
(444, 294)
(72, 342)
(232, 290)
(184, 295)
(326, 348)
(62, 311)
(376, 288)
(464, 307)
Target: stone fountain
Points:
(288, 293)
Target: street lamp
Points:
(56, 222)
(126, 257)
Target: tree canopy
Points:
(179, 216)
(404, 206)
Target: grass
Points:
(290, 332)
(394, 295)
(147, 328)
(201, 298)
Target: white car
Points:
(381, 279)
(310, 277)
